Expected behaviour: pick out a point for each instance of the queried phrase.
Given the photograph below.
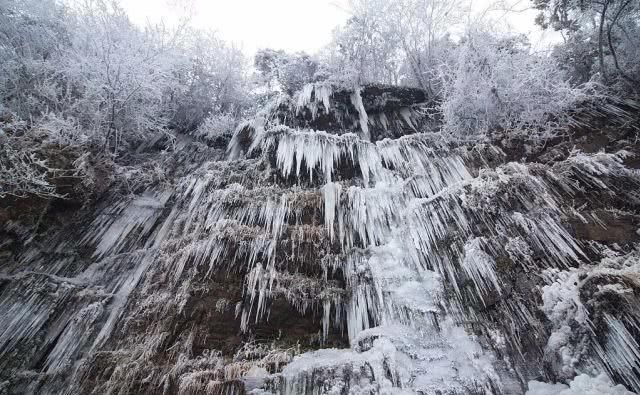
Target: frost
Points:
(406, 248)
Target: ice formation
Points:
(581, 385)
(402, 253)
(569, 302)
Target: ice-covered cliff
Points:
(342, 245)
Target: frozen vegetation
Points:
(413, 210)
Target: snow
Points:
(581, 385)
(383, 365)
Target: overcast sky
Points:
(292, 25)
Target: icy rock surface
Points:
(375, 257)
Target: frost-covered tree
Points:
(210, 78)
(290, 72)
(366, 49)
(114, 86)
(481, 80)
(604, 33)
(396, 42)
(122, 73)
(497, 83)
(22, 173)
(118, 80)
(423, 28)
(34, 36)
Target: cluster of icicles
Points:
(415, 240)
(412, 225)
(417, 224)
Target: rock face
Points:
(372, 257)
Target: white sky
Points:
(292, 25)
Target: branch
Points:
(627, 77)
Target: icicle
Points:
(480, 268)
(26, 308)
(405, 113)
(332, 192)
(68, 342)
(326, 318)
(137, 216)
(311, 95)
(120, 299)
(382, 118)
(621, 353)
(547, 235)
(356, 100)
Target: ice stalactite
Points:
(595, 318)
(360, 216)
(356, 100)
(453, 225)
(387, 284)
(594, 169)
(406, 115)
(139, 215)
(621, 351)
(323, 153)
(332, 192)
(65, 349)
(480, 267)
(120, 299)
(422, 255)
(456, 212)
(259, 282)
(312, 95)
(26, 308)
(263, 284)
(320, 151)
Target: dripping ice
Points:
(413, 227)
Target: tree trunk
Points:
(624, 75)
(605, 5)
